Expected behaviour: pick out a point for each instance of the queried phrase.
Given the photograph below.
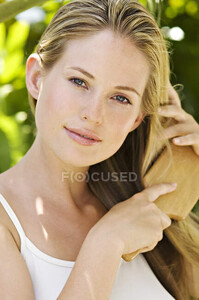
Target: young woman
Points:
(71, 208)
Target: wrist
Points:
(105, 240)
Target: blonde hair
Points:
(129, 19)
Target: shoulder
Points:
(6, 224)
(13, 266)
(5, 235)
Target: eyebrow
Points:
(131, 89)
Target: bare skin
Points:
(53, 230)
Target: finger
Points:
(172, 111)
(173, 96)
(176, 130)
(189, 139)
(165, 220)
(156, 190)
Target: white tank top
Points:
(134, 280)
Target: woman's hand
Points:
(186, 129)
(136, 223)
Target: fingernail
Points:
(176, 140)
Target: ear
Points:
(138, 120)
(33, 75)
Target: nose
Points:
(94, 111)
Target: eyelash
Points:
(73, 80)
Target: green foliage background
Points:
(17, 42)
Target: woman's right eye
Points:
(78, 81)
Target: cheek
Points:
(55, 103)
(122, 123)
(64, 101)
(47, 109)
(118, 129)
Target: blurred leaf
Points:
(13, 61)
(192, 8)
(5, 157)
(177, 3)
(143, 2)
(67, 1)
(151, 6)
(16, 100)
(10, 9)
(2, 35)
(2, 44)
(51, 5)
(12, 66)
(48, 17)
(171, 12)
(10, 128)
(17, 35)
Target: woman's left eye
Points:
(77, 81)
(123, 99)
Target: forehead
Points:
(109, 54)
(105, 45)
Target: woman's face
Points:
(81, 91)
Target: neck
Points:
(42, 172)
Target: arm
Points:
(15, 281)
(94, 271)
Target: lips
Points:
(85, 133)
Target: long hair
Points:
(131, 20)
